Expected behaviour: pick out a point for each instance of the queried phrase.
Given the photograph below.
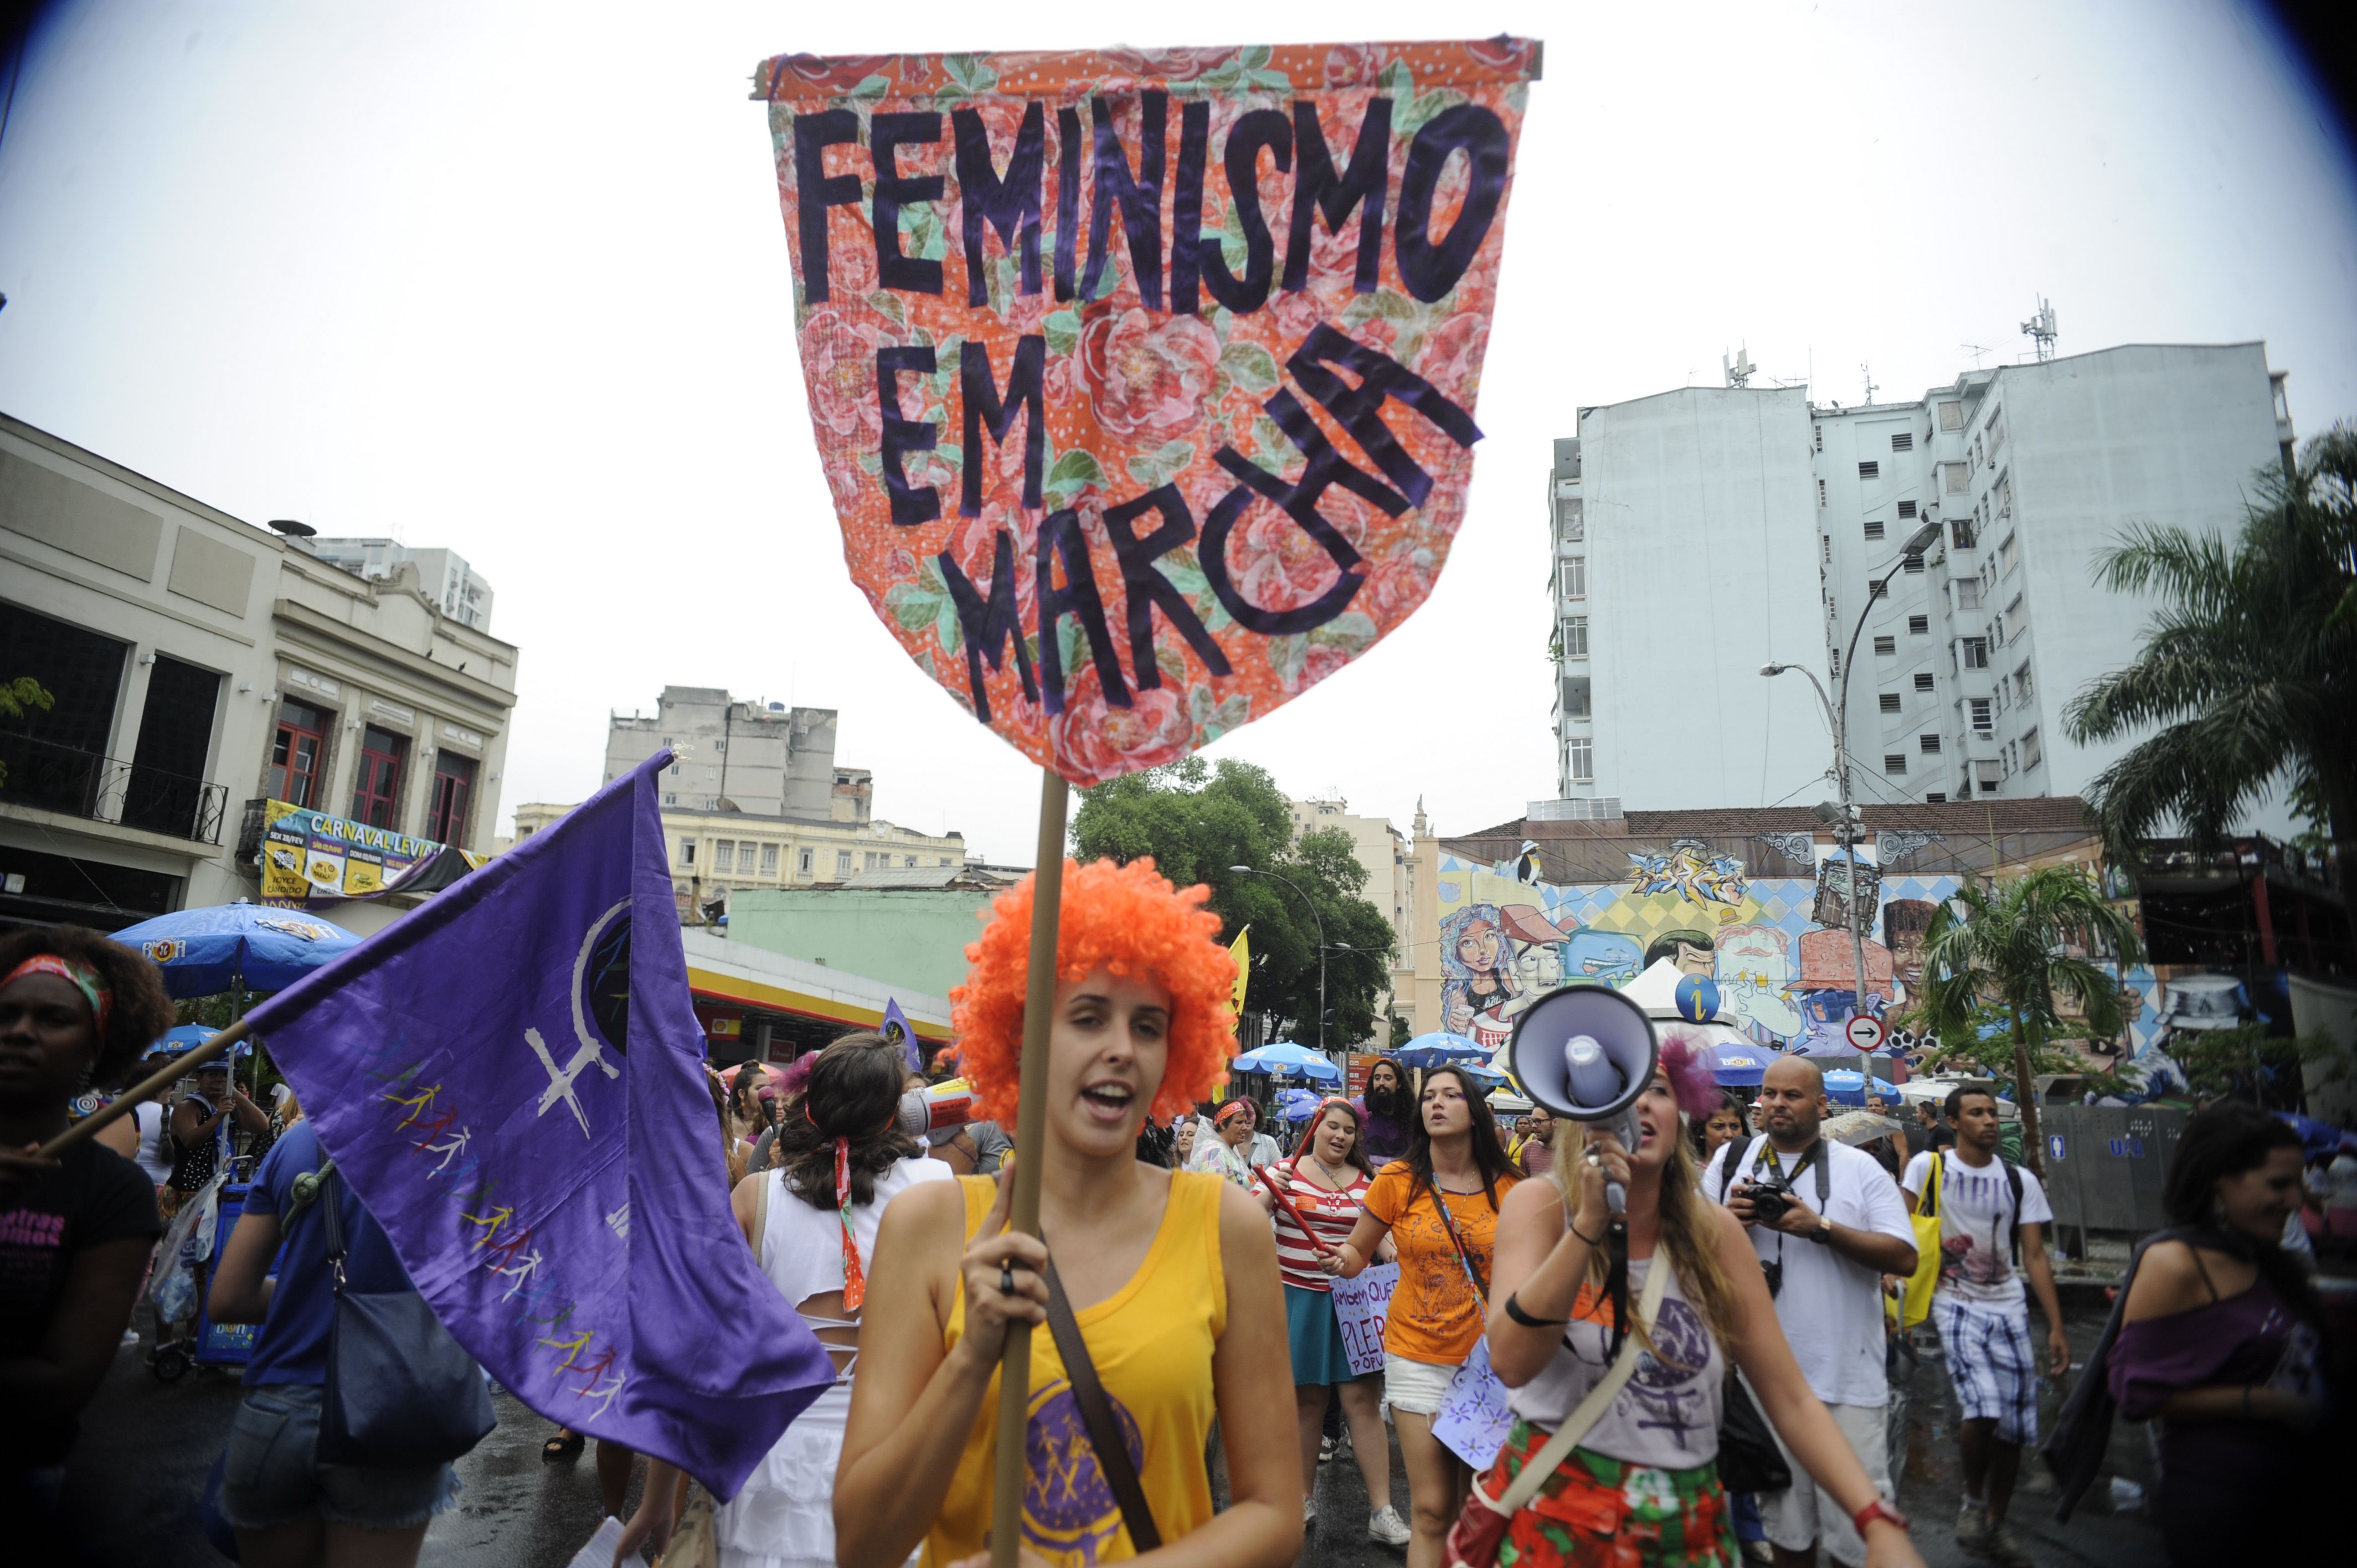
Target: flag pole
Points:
(1030, 1134)
(163, 1077)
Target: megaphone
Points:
(1587, 1052)
(936, 1108)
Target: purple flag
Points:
(895, 1029)
(511, 1079)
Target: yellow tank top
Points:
(1152, 1343)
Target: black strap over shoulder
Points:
(1096, 1413)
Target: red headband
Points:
(81, 976)
(1233, 1107)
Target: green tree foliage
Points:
(2247, 676)
(16, 697)
(1198, 819)
(2015, 948)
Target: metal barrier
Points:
(2105, 1165)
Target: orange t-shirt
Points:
(1435, 1316)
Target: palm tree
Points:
(2250, 668)
(2015, 945)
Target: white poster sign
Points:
(1473, 1420)
(1361, 1304)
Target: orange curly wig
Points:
(1128, 919)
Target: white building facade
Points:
(1702, 534)
(199, 666)
(443, 575)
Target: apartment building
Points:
(1702, 534)
(1390, 863)
(754, 798)
(200, 668)
(443, 575)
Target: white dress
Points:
(784, 1516)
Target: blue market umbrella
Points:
(1846, 1088)
(182, 1038)
(204, 952)
(1487, 1077)
(1296, 1104)
(1742, 1067)
(1285, 1059)
(1440, 1047)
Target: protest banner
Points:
(1360, 1304)
(1145, 381)
(512, 1077)
(309, 857)
(1474, 1419)
(1119, 500)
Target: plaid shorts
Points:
(1992, 1362)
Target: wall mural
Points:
(1507, 938)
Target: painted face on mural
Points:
(1478, 948)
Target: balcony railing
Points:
(79, 783)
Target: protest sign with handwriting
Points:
(1360, 1305)
(1143, 381)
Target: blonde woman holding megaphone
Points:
(1641, 1471)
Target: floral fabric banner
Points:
(1145, 382)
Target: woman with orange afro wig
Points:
(1157, 1266)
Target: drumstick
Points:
(1287, 1204)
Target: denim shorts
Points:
(273, 1475)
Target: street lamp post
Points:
(1249, 871)
(1837, 720)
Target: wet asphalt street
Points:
(145, 1448)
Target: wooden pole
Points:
(169, 1073)
(1030, 1134)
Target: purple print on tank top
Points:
(1067, 1506)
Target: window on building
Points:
(2014, 609)
(1922, 682)
(1874, 528)
(1886, 645)
(2003, 498)
(1877, 589)
(907, 860)
(723, 857)
(377, 787)
(2021, 688)
(1961, 534)
(1580, 754)
(1968, 593)
(1952, 417)
(1998, 639)
(2008, 555)
(1928, 744)
(1995, 431)
(1977, 653)
(687, 852)
(842, 864)
(1574, 577)
(1988, 772)
(1958, 476)
(1826, 548)
(453, 791)
(1894, 762)
(1869, 470)
(1912, 563)
(1903, 442)
(802, 863)
(745, 857)
(1821, 492)
(769, 860)
(1919, 625)
(299, 753)
(1978, 709)
(1905, 511)
(1889, 702)
(1935, 798)
(1820, 432)
(2032, 752)
(1575, 636)
(668, 800)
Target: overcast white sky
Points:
(512, 279)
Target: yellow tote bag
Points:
(1916, 1302)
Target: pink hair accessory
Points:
(795, 1077)
(1687, 1058)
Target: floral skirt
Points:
(1596, 1512)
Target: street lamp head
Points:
(1773, 669)
(1920, 540)
(1826, 811)
(1245, 870)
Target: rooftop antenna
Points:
(2040, 328)
(1738, 369)
(1868, 374)
(1976, 351)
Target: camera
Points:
(1769, 1195)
